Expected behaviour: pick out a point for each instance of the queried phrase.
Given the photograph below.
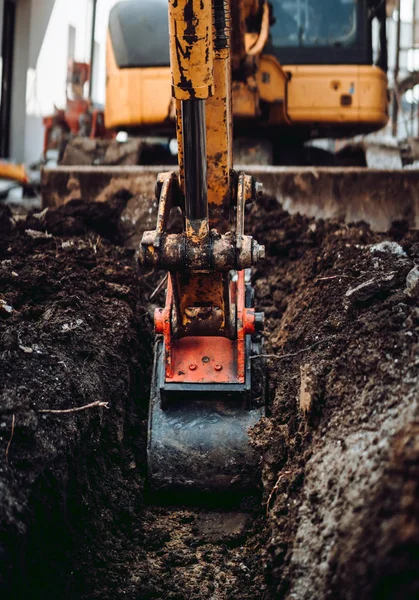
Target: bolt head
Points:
(259, 321)
(259, 189)
(192, 367)
(260, 253)
(218, 367)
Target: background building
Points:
(49, 32)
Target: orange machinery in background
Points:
(79, 118)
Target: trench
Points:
(75, 327)
(77, 518)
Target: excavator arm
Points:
(204, 394)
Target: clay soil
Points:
(338, 512)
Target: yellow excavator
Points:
(285, 72)
(207, 388)
(280, 70)
(301, 70)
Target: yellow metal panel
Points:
(218, 121)
(337, 94)
(13, 172)
(272, 80)
(136, 97)
(191, 49)
(245, 100)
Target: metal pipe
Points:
(195, 159)
(395, 115)
(7, 52)
(92, 47)
(413, 45)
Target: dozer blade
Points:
(348, 194)
(198, 437)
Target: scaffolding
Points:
(404, 72)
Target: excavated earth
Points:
(338, 515)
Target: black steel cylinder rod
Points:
(195, 159)
(92, 47)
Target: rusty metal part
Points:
(219, 124)
(203, 304)
(175, 252)
(197, 249)
(179, 137)
(208, 353)
(246, 193)
(202, 324)
(191, 49)
(167, 187)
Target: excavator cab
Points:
(302, 69)
(336, 86)
(138, 89)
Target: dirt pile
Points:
(339, 445)
(72, 333)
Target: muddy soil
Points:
(339, 450)
(340, 446)
(73, 333)
(76, 330)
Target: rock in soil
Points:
(339, 447)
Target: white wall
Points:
(41, 54)
(20, 66)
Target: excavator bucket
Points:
(198, 435)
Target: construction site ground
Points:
(338, 510)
